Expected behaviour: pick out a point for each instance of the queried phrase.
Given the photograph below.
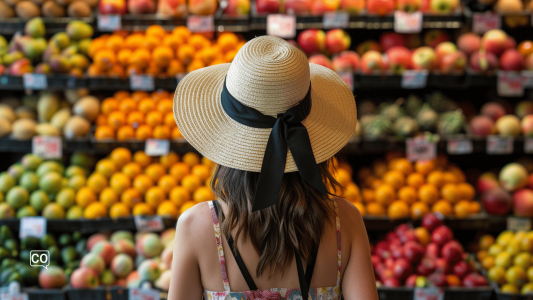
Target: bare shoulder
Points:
(195, 223)
(349, 214)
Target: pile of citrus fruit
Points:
(401, 189)
(158, 52)
(342, 172)
(508, 260)
(138, 115)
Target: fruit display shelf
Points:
(450, 293)
(56, 82)
(222, 23)
(99, 293)
(9, 26)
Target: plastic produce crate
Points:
(86, 294)
(40, 294)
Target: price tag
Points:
(483, 22)
(499, 145)
(510, 84)
(420, 148)
(20, 296)
(460, 146)
(414, 79)
(527, 79)
(32, 226)
(517, 223)
(156, 147)
(142, 82)
(348, 78)
(333, 19)
(149, 223)
(407, 22)
(201, 23)
(528, 145)
(430, 293)
(283, 26)
(33, 81)
(47, 147)
(109, 22)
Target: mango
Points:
(3, 45)
(47, 105)
(79, 61)
(43, 68)
(70, 50)
(50, 51)
(35, 28)
(83, 46)
(11, 57)
(60, 64)
(78, 30)
(61, 40)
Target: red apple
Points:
(453, 63)
(337, 40)
(267, 6)
(371, 61)
(138, 7)
(320, 59)
(354, 7)
(397, 251)
(486, 181)
(452, 251)
(312, 40)
(399, 59)
(367, 46)
(376, 260)
(430, 222)
(474, 280)
(511, 60)
(434, 37)
(112, 7)
(494, 41)
(426, 266)
(444, 49)
(442, 266)
(380, 7)
(241, 7)
(482, 126)
(523, 203)
(424, 58)
(469, 43)
(461, 268)
(510, 43)
(402, 268)
(411, 281)
(391, 39)
(391, 282)
(298, 7)
(497, 201)
(391, 235)
(441, 235)
(389, 262)
(432, 250)
(20, 67)
(321, 6)
(413, 251)
(438, 279)
(483, 61)
(382, 249)
(493, 110)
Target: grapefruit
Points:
(6, 182)
(53, 211)
(26, 211)
(66, 197)
(74, 212)
(31, 162)
(49, 166)
(29, 181)
(75, 170)
(51, 183)
(76, 182)
(17, 197)
(16, 171)
(39, 199)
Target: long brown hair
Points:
(296, 221)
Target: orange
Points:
(167, 183)
(368, 195)
(466, 191)
(415, 180)
(96, 45)
(480, 255)
(206, 162)
(195, 65)
(351, 192)
(132, 169)
(146, 105)
(227, 41)
(142, 209)
(167, 208)
(185, 54)
(109, 105)
(428, 194)
(106, 167)
(379, 168)
(209, 54)
(114, 42)
(424, 166)
(179, 195)
(450, 177)
(161, 132)
(119, 182)
(343, 177)
(179, 170)
(121, 95)
(153, 69)
(182, 31)
(95, 71)
(230, 55)
(95, 210)
(169, 160)
(176, 133)
(128, 105)
(462, 209)
(198, 41)
(104, 132)
(119, 210)
(85, 196)
(453, 280)
(173, 41)
(385, 194)
(422, 234)
(191, 182)
(217, 61)
(123, 57)
(186, 206)
(140, 58)
(443, 207)
(360, 207)
(156, 30)
(116, 72)
(155, 171)
(101, 120)
(407, 194)
(394, 178)
(104, 59)
(120, 156)
(191, 159)
(487, 262)
(475, 207)
(130, 197)
(450, 192)
(174, 68)
(134, 41)
(116, 119)
(364, 173)
(135, 118)
(154, 196)
(162, 56)
(139, 95)
(459, 175)
(404, 166)
(398, 210)
(97, 182)
(169, 120)
(154, 118)
(160, 94)
(150, 42)
(165, 106)
(419, 210)
(202, 194)
(201, 171)
(375, 209)
(143, 132)
(486, 241)
(131, 70)
(436, 178)
(142, 159)
(108, 197)
(125, 133)
(142, 183)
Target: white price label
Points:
(527, 79)
(420, 148)
(510, 84)
(499, 145)
(430, 293)
(407, 22)
(348, 78)
(517, 223)
(33, 81)
(149, 223)
(414, 79)
(47, 147)
(333, 19)
(32, 226)
(460, 146)
(156, 147)
(201, 23)
(21, 296)
(483, 22)
(528, 145)
(142, 82)
(283, 26)
(109, 22)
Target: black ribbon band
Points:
(287, 133)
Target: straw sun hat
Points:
(270, 75)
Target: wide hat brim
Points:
(204, 124)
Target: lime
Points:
(16, 171)
(74, 212)
(75, 170)
(17, 197)
(29, 181)
(51, 183)
(6, 182)
(76, 182)
(53, 211)
(39, 199)
(66, 197)
(49, 166)
(26, 211)
(31, 162)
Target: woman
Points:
(272, 122)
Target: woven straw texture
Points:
(270, 75)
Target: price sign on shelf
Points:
(149, 223)
(414, 79)
(18, 296)
(333, 19)
(483, 22)
(109, 22)
(283, 26)
(33, 81)
(499, 145)
(32, 226)
(407, 22)
(460, 146)
(517, 223)
(348, 78)
(420, 148)
(528, 145)
(430, 293)
(527, 79)
(142, 82)
(201, 23)
(156, 147)
(510, 84)
(47, 147)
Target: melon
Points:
(6, 112)
(5, 127)
(60, 118)
(24, 129)
(47, 129)
(76, 126)
(87, 107)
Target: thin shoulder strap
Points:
(220, 250)
(338, 223)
